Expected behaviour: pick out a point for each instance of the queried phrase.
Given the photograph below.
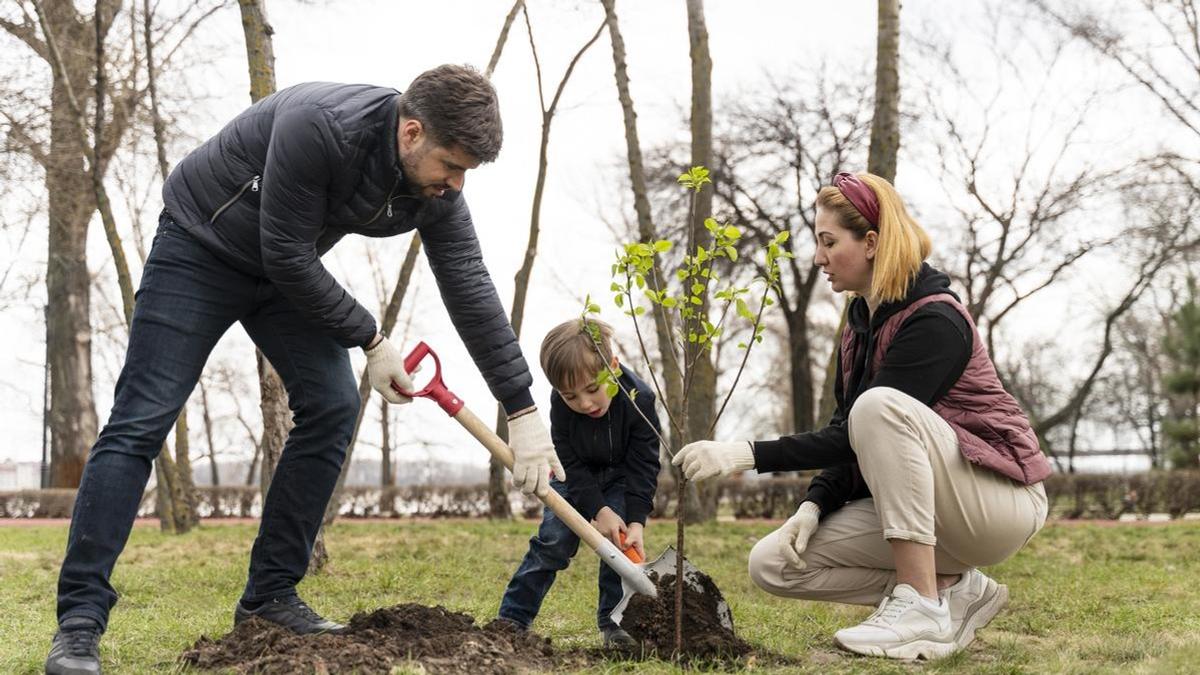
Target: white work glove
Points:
(705, 459)
(385, 369)
(534, 458)
(795, 533)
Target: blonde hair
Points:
(903, 243)
(569, 352)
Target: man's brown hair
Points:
(458, 107)
(570, 354)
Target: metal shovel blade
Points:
(664, 565)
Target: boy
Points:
(609, 449)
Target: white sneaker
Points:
(974, 601)
(906, 626)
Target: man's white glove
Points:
(385, 369)
(795, 533)
(534, 458)
(705, 459)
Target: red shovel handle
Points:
(436, 389)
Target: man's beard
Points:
(418, 189)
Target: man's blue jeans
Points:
(550, 551)
(188, 298)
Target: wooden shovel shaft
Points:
(607, 551)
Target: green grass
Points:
(1085, 599)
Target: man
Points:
(247, 216)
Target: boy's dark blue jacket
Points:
(595, 452)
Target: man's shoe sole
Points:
(909, 651)
(980, 613)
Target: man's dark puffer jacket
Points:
(302, 168)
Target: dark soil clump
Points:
(705, 638)
(440, 640)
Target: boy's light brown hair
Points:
(569, 355)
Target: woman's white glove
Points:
(534, 458)
(385, 369)
(795, 533)
(705, 459)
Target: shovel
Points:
(633, 579)
(664, 565)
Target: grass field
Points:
(1085, 598)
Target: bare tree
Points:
(775, 151)
(499, 502)
(670, 392)
(51, 135)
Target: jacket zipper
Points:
(610, 445)
(387, 206)
(251, 185)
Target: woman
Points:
(931, 469)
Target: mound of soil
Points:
(652, 621)
(440, 640)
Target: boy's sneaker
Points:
(76, 648)
(292, 613)
(616, 638)
(974, 601)
(906, 626)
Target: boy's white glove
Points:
(385, 369)
(705, 459)
(534, 458)
(795, 533)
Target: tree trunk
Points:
(70, 203)
(800, 361)
(672, 375)
(701, 389)
(885, 126)
(498, 506)
(214, 472)
(387, 480)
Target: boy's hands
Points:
(635, 536)
(610, 525)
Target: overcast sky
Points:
(389, 43)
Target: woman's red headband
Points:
(860, 195)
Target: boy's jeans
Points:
(188, 298)
(550, 551)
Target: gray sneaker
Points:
(76, 648)
(974, 601)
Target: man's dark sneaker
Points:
(617, 638)
(76, 648)
(292, 613)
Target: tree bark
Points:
(700, 387)
(70, 204)
(214, 471)
(672, 375)
(498, 506)
(885, 127)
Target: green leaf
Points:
(782, 237)
(620, 300)
(612, 389)
(640, 311)
(640, 281)
(731, 252)
(743, 310)
(696, 301)
(681, 275)
(594, 308)
(732, 232)
(697, 288)
(662, 245)
(615, 287)
(668, 302)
